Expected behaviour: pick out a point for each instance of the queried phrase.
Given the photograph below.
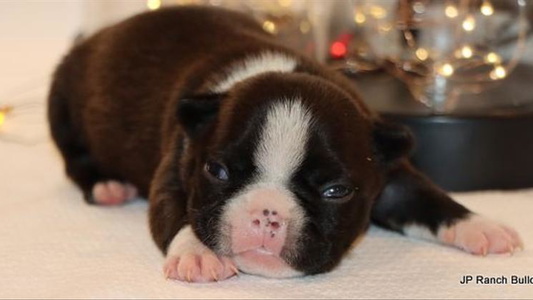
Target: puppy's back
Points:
(114, 92)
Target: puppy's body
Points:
(253, 157)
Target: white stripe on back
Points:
(255, 65)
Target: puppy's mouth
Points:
(261, 261)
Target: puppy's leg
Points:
(113, 192)
(190, 260)
(414, 206)
(79, 164)
(187, 258)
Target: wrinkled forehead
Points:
(280, 115)
(271, 136)
(276, 137)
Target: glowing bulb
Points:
(419, 7)
(338, 49)
(498, 73)
(493, 58)
(466, 52)
(305, 26)
(359, 17)
(385, 28)
(486, 8)
(378, 12)
(285, 3)
(446, 70)
(269, 26)
(451, 11)
(153, 4)
(422, 53)
(3, 113)
(469, 23)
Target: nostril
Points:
(275, 225)
(256, 222)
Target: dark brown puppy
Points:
(253, 157)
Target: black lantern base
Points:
(484, 142)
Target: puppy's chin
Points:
(264, 263)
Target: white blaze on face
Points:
(279, 153)
(255, 65)
(283, 142)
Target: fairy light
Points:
(451, 11)
(305, 26)
(359, 17)
(269, 26)
(385, 28)
(486, 8)
(466, 52)
(153, 4)
(419, 7)
(422, 54)
(378, 12)
(4, 111)
(338, 49)
(469, 23)
(499, 72)
(446, 70)
(285, 3)
(493, 58)
(2, 118)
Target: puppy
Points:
(253, 157)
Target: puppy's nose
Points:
(268, 221)
(262, 222)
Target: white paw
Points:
(189, 260)
(481, 236)
(113, 192)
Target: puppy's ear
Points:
(198, 111)
(392, 141)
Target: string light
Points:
(2, 118)
(269, 26)
(419, 7)
(385, 28)
(422, 54)
(446, 70)
(285, 3)
(498, 73)
(359, 17)
(469, 23)
(4, 111)
(153, 4)
(466, 52)
(493, 58)
(451, 11)
(486, 8)
(305, 26)
(378, 12)
(338, 49)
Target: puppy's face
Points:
(283, 171)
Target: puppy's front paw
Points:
(189, 260)
(481, 236)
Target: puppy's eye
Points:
(337, 192)
(216, 170)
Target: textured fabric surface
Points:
(52, 245)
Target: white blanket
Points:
(53, 245)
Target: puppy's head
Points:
(283, 170)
